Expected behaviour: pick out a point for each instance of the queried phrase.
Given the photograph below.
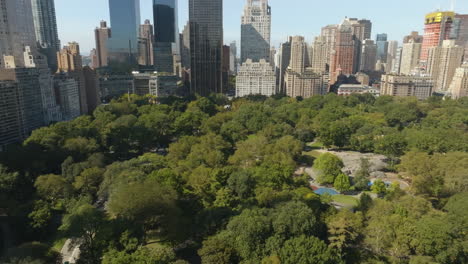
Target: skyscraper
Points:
(442, 63)
(368, 56)
(343, 57)
(460, 32)
(382, 47)
(438, 26)
(145, 44)
(320, 55)
(233, 59)
(206, 45)
(166, 33)
(255, 78)
(16, 30)
(410, 56)
(256, 31)
(459, 86)
(413, 36)
(300, 79)
(102, 35)
(45, 26)
(367, 28)
(185, 46)
(391, 55)
(285, 58)
(125, 24)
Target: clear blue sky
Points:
(290, 17)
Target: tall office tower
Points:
(255, 78)
(51, 111)
(391, 55)
(285, 59)
(298, 54)
(367, 28)
(70, 61)
(396, 65)
(329, 33)
(343, 57)
(368, 56)
(320, 55)
(359, 35)
(45, 25)
(102, 35)
(68, 96)
(10, 122)
(226, 62)
(413, 36)
(92, 88)
(233, 57)
(256, 31)
(300, 79)
(185, 46)
(29, 97)
(438, 26)
(460, 32)
(459, 86)
(442, 63)
(382, 47)
(206, 46)
(125, 23)
(166, 33)
(273, 55)
(410, 56)
(145, 44)
(420, 87)
(16, 31)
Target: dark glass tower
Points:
(165, 34)
(382, 47)
(125, 24)
(45, 27)
(206, 45)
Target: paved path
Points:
(70, 252)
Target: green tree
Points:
(307, 250)
(89, 180)
(329, 167)
(361, 178)
(379, 187)
(342, 183)
(52, 187)
(216, 250)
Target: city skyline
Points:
(392, 19)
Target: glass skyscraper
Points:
(165, 33)
(206, 46)
(382, 47)
(45, 26)
(125, 25)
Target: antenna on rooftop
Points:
(452, 5)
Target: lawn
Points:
(345, 200)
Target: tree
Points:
(329, 167)
(216, 250)
(379, 187)
(361, 178)
(392, 145)
(345, 231)
(242, 184)
(88, 224)
(342, 183)
(307, 250)
(52, 187)
(89, 180)
(150, 204)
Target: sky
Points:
(397, 18)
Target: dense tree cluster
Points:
(209, 180)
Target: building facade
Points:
(10, 117)
(382, 47)
(145, 44)
(165, 34)
(437, 28)
(283, 63)
(206, 46)
(411, 54)
(442, 63)
(459, 85)
(343, 57)
(255, 78)
(45, 26)
(122, 46)
(368, 56)
(420, 87)
(256, 31)
(320, 55)
(102, 35)
(67, 90)
(114, 86)
(349, 89)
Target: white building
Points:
(459, 86)
(405, 85)
(410, 56)
(255, 78)
(256, 31)
(349, 89)
(442, 63)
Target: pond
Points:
(330, 191)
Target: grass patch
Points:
(313, 153)
(346, 200)
(315, 145)
(57, 244)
